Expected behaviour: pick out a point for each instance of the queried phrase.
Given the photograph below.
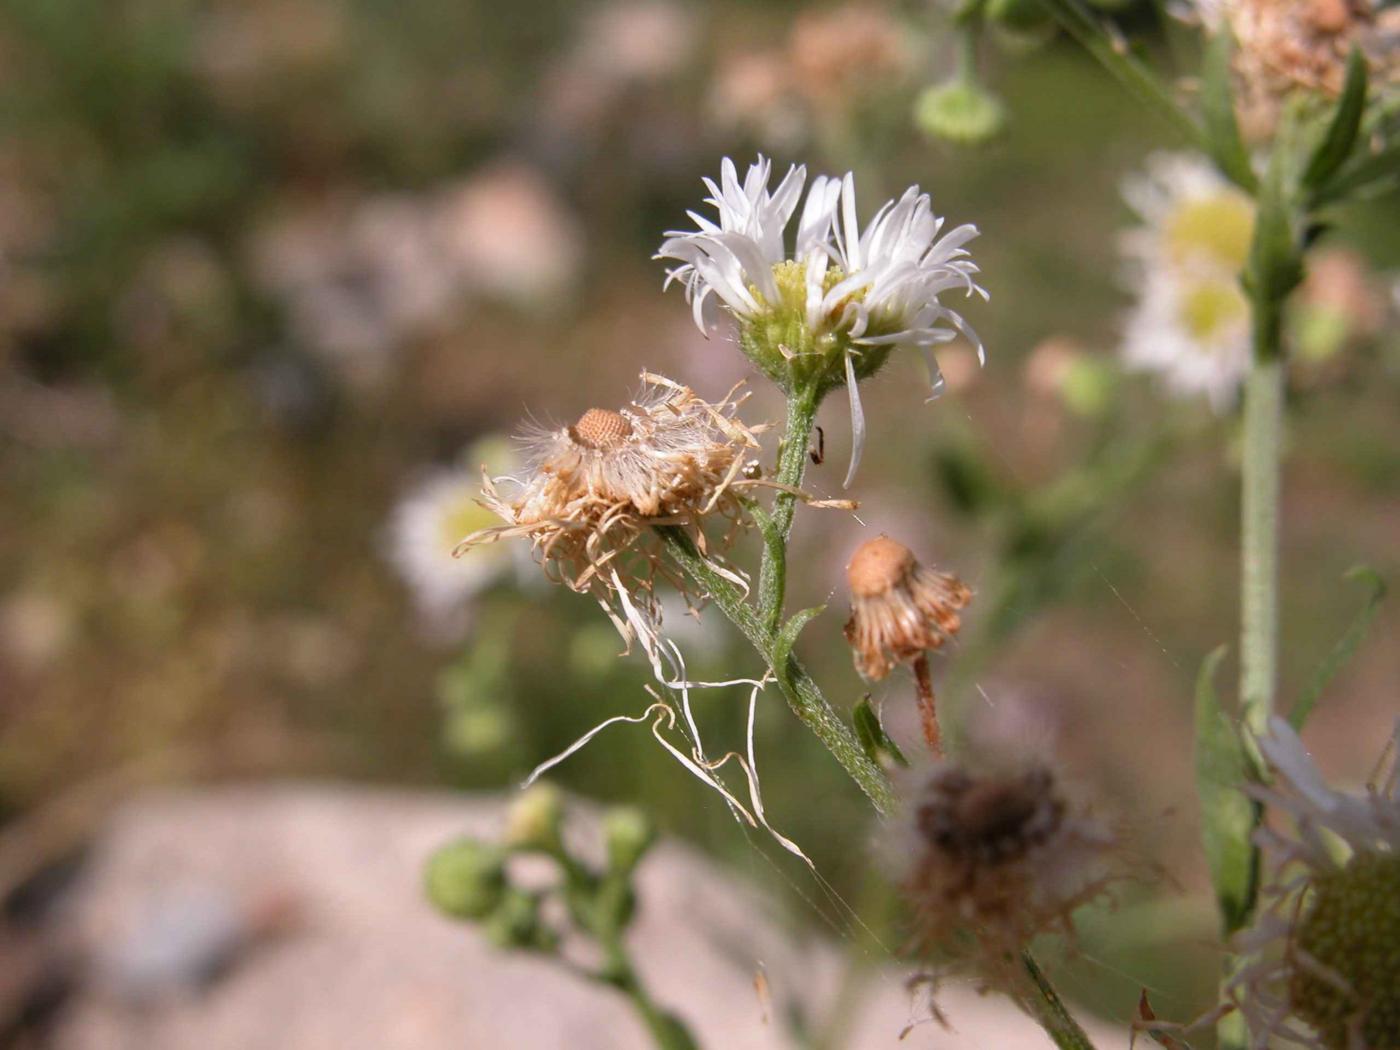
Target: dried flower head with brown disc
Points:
(989, 859)
(899, 611)
(1287, 46)
(594, 489)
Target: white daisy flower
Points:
(830, 310)
(1191, 322)
(431, 519)
(1325, 945)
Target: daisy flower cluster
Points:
(1324, 968)
(828, 309)
(1191, 321)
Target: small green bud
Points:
(534, 819)
(959, 112)
(1019, 16)
(516, 923)
(629, 833)
(466, 879)
(1319, 332)
(1087, 387)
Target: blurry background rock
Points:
(265, 264)
(289, 917)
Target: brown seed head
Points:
(992, 819)
(601, 428)
(878, 566)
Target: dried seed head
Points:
(899, 609)
(601, 428)
(988, 860)
(594, 488)
(878, 566)
(991, 820)
(1301, 46)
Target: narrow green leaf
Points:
(1346, 645)
(1343, 131)
(1275, 265)
(787, 635)
(1222, 129)
(1228, 815)
(873, 737)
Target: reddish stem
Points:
(928, 705)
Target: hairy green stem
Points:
(792, 467)
(798, 688)
(1263, 427)
(1050, 1011)
(762, 628)
(1114, 56)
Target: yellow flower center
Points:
(1205, 310)
(1352, 931)
(461, 518)
(1216, 229)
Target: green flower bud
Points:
(1087, 387)
(516, 923)
(1352, 928)
(534, 819)
(959, 112)
(629, 833)
(1019, 16)
(466, 879)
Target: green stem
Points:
(1263, 426)
(1259, 528)
(1131, 73)
(792, 467)
(798, 688)
(668, 1032)
(967, 40)
(1050, 1011)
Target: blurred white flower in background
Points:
(360, 279)
(637, 40)
(507, 235)
(1191, 321)
(427, 525)
(832, 64)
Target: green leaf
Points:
(1222, 130)
(787, 635)
(1228, 815)
(1343, 131)
(1346, 645)
(873, 737)
(1275, 265)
